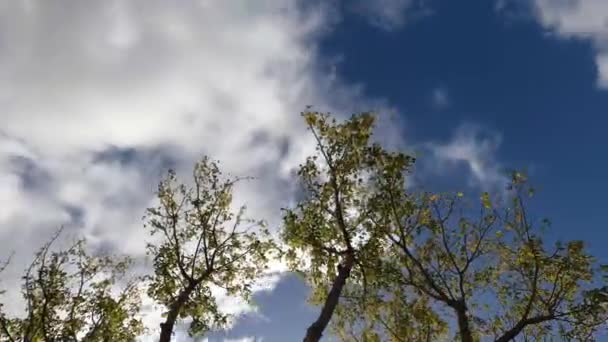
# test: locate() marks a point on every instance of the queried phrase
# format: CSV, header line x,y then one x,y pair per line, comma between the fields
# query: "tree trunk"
x,y
463,322
166,328
315,330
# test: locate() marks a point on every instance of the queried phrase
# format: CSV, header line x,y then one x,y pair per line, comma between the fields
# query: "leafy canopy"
x,y
332,226
202,242
71,295
487,270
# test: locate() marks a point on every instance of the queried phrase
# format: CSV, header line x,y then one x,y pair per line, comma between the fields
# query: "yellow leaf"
x,y
485,200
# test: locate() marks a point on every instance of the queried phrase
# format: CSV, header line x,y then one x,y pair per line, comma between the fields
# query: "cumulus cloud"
x,y
100,98
391,15
580,19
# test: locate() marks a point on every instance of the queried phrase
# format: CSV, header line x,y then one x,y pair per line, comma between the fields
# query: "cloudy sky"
x,y
99,98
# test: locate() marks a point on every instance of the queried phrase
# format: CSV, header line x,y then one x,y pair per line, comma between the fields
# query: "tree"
x,y
70,295
376,308
492,270
389,314
330,236
202,243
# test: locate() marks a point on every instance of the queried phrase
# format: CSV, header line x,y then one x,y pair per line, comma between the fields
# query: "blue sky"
x,y
512,76
99,98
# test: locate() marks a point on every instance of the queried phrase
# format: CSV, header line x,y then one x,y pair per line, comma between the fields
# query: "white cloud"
x,y
474,148
98,98
581,19
391,14
244,339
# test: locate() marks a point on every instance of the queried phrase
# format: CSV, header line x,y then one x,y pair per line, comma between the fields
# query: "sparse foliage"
x,y
202,243
491,270
70,295
330,233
